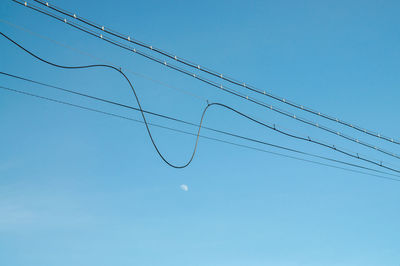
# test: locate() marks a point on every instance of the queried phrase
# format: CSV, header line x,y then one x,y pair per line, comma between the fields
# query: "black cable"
x,y
96,58
210,82
212,72
134,92
185,122
103,60
210,138
202,116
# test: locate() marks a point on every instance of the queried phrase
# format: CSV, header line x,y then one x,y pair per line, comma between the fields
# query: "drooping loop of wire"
x,y
134,92
213,72
380,164
107,61
210,82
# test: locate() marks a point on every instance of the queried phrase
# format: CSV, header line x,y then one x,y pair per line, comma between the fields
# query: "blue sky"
x,y
80,188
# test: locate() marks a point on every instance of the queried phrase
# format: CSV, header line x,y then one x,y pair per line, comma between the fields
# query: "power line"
x,y
212,138
272,127
212,83
134,92
177,119
212,72
79,51
86,53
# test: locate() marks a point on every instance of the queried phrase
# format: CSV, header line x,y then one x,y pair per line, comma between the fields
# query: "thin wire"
x,y
186,122
214,73
79,51
212,83
206,137
134,92
202,116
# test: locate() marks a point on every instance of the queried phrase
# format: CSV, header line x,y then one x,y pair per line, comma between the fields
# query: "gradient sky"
x,y
80,188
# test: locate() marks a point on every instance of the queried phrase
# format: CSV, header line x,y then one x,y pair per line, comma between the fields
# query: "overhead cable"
x,y
90,55
212,138
212,83
207,70
272,127
166,117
